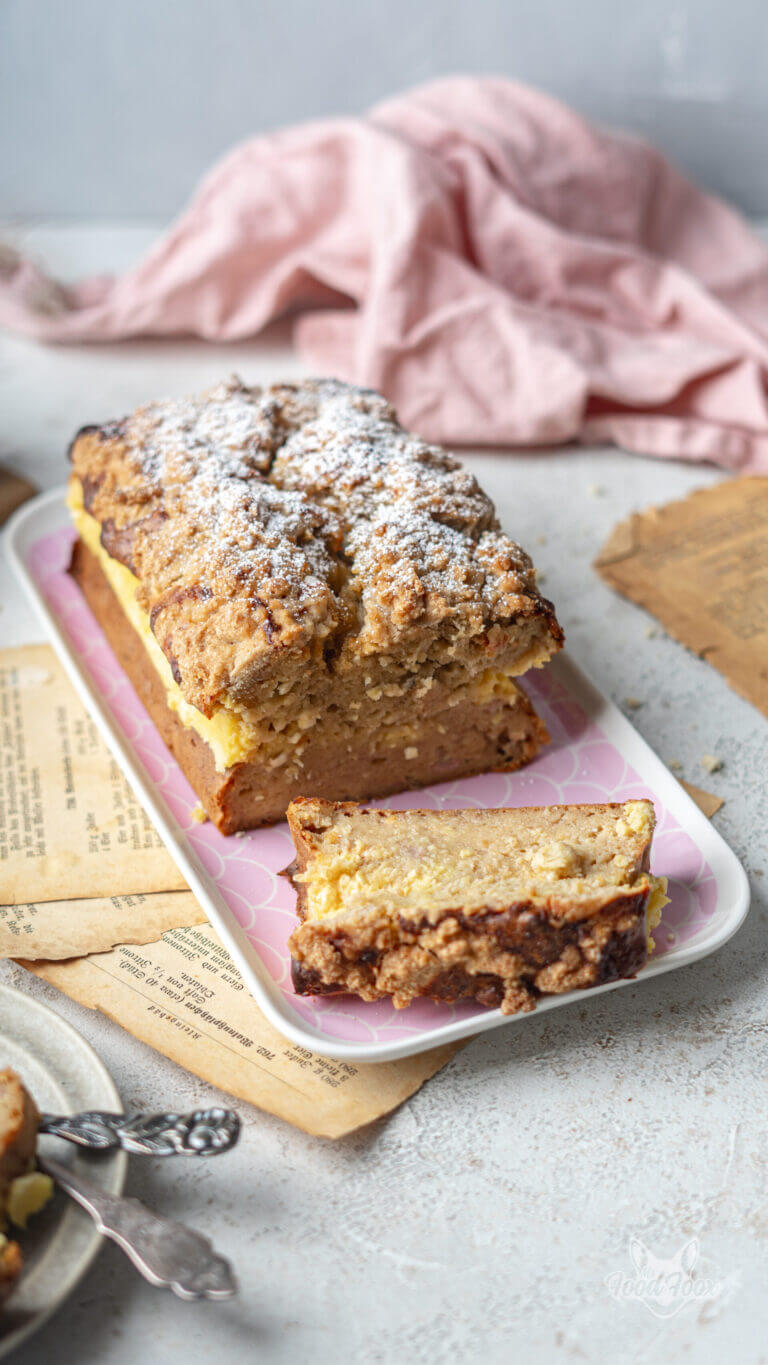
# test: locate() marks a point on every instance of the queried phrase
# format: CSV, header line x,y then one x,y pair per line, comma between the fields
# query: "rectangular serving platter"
x,y
595,755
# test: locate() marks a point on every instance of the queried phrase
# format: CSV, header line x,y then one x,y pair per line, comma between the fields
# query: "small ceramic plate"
x,y
595,755
64,1075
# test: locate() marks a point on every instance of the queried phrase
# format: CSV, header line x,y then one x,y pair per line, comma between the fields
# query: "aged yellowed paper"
x,y
70,826
185,997
701,567
74,928
707,802
14,490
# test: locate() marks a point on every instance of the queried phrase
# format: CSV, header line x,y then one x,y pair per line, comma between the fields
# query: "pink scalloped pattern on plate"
x,y
581,764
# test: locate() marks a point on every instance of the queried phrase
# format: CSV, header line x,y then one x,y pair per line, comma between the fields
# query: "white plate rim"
x,y
47,512
112,1175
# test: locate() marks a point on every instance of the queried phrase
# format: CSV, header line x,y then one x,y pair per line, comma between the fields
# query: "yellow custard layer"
x,y
656,902
380,863
230,737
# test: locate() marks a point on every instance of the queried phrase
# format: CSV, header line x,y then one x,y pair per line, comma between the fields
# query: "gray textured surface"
x,y
117,109
482,1220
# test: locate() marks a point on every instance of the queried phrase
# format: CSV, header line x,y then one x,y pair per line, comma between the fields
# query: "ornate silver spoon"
x,y
204,1132
167,1254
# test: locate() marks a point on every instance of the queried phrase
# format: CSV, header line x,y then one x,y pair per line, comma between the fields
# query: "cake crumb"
x,y
711,763
651,632
634,703
541,540
596,490
674,766
198,814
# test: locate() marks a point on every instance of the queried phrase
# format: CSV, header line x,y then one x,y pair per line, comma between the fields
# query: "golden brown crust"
x,y
11,1265
18,1140
18,1130
294,533
505,957
492,736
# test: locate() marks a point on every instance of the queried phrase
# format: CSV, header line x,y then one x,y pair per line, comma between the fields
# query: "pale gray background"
x,y
114,109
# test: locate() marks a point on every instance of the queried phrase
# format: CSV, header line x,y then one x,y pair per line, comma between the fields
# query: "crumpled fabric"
x,y
504,272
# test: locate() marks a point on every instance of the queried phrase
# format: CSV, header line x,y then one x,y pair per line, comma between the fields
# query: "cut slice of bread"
x,y
499,906
18,1140
18,1131
11,1264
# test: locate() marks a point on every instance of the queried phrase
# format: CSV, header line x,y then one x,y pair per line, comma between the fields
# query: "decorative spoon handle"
x,y
165,1253
204,1132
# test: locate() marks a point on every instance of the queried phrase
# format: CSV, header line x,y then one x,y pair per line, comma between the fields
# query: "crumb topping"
x,y
298,522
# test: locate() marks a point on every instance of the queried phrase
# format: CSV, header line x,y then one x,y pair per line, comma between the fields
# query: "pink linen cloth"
x,y
504,272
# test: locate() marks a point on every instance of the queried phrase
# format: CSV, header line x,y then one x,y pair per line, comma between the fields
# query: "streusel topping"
x,y
277,528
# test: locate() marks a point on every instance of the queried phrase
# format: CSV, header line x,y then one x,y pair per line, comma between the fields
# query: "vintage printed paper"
x,y
700,566
70,826
185,997
74,928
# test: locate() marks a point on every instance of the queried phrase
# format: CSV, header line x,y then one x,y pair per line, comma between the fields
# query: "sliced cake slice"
x,y
11,1265
495,906
18,1138
23,1190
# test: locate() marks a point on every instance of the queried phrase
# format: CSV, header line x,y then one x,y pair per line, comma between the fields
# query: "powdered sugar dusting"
x,y
353,455
269,512
222,427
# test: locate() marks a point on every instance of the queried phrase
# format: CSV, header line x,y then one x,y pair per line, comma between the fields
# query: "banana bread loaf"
x,y
309,599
